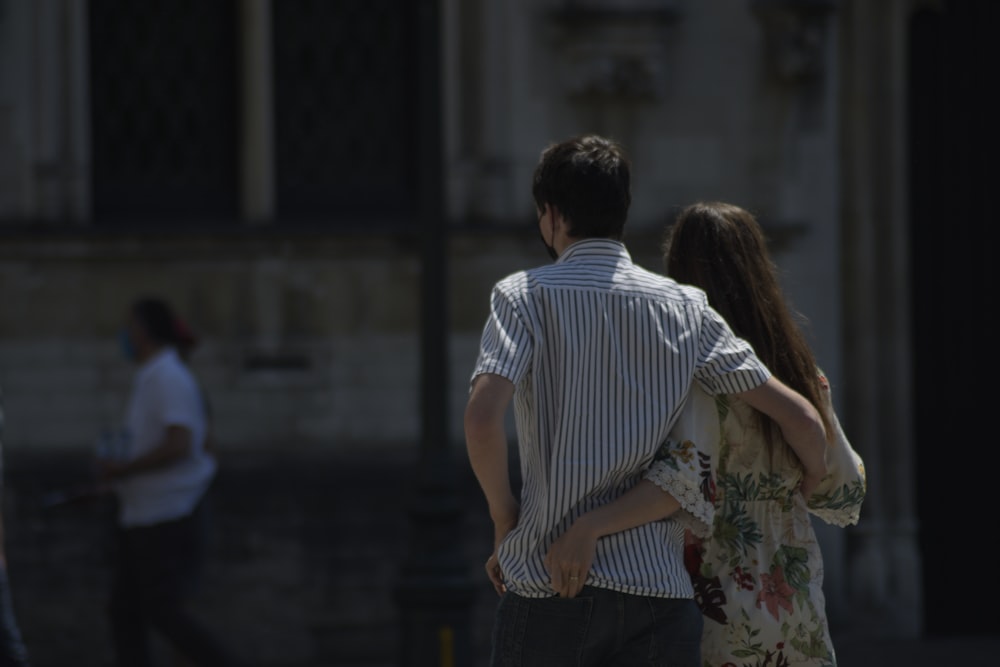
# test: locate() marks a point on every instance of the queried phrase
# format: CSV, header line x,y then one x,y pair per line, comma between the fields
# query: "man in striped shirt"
x,y
598,356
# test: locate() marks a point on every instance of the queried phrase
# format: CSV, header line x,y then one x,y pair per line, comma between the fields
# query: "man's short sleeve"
x,y
727,363
506,345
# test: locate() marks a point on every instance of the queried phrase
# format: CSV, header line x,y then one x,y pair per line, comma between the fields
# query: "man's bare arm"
x,y
800,425
486,443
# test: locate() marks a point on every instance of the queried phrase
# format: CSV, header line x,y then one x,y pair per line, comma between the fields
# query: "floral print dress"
x,y
759,577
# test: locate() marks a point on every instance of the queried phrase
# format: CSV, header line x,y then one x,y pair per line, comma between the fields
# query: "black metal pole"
x,y
434,594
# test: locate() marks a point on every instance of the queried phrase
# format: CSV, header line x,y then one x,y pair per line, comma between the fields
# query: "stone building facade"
x,y
260,164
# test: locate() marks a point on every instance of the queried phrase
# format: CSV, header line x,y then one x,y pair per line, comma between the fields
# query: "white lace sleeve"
x,y
685,464
696,513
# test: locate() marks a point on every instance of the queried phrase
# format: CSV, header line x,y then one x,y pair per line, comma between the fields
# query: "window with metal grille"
x,y
345,111
164,120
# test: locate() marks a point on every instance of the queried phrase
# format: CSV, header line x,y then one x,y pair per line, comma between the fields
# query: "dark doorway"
x,y
953,118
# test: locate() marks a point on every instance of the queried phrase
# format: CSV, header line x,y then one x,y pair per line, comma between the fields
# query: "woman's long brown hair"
x,y
721,248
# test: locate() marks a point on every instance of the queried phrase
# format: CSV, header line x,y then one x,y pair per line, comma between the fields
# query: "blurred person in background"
x,y
160,481
13,652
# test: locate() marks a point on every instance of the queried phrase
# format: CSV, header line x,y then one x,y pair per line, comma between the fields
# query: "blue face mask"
x,y
128,348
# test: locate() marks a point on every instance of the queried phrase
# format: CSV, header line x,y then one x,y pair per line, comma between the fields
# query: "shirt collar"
x,y
589,248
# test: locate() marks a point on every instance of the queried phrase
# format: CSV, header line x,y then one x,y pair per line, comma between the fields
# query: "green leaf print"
x,y
810,643
737,532
739,487
749,648
848,495
794,561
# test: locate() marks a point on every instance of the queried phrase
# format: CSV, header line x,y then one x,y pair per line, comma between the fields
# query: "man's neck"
x,y
564,242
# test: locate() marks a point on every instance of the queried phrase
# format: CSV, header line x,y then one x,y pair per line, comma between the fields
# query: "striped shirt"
x,y
602,354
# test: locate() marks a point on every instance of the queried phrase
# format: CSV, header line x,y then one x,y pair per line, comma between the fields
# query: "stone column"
x,y
797,51
14,116
494,190
885,565
257,195
47,116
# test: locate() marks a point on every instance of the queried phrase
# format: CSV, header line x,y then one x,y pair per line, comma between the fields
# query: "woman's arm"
x,y
571,555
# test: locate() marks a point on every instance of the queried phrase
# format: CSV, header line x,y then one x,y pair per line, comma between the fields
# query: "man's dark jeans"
x,y
598,628
157,568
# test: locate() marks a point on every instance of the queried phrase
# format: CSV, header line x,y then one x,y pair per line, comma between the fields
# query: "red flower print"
x,y
775,592
743,579
693,553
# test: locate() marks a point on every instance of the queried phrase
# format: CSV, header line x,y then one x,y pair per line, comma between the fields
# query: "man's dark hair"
x,y
587,179
157,318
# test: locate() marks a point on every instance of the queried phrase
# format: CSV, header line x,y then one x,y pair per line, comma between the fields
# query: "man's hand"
x,y
570,557
495,574
504,521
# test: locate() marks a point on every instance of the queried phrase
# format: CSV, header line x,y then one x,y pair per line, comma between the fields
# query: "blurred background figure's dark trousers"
x,y
157,569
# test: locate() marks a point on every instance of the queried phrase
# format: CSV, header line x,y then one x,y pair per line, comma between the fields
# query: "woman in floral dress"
x,y
758,578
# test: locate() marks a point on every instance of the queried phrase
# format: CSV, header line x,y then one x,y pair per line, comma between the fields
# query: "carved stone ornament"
x,y
614,49
794,36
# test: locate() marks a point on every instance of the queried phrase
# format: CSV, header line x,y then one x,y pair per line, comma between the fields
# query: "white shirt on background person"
x,y
164,393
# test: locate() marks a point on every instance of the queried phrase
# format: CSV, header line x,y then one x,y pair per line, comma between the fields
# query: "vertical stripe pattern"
x,y
602,354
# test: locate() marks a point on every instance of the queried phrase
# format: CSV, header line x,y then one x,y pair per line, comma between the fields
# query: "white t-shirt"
x,y
164,393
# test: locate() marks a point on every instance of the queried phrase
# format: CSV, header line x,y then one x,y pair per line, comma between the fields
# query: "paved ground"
x,y
930,652
305,559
